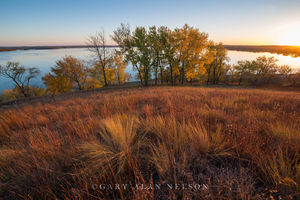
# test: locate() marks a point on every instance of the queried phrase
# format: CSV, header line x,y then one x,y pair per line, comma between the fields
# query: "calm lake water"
x,y
45,59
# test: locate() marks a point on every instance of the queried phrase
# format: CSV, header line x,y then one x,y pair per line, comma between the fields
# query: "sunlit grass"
x,y
116,144
239,144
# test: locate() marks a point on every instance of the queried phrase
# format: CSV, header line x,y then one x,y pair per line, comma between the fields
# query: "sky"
x,y
70,22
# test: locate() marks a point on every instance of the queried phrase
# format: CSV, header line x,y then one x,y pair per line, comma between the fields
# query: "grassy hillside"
x,y
183,142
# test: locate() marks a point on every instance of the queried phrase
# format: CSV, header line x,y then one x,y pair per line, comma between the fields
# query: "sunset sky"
x,y
70,22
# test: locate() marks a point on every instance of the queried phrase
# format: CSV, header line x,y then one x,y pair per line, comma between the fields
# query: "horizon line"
x,y
114,45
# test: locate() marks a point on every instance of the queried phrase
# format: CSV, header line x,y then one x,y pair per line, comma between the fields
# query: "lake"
x,y
45,59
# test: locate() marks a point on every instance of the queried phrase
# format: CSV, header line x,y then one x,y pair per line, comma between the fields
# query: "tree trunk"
x,y
21,88
104,75
171,74
79,86
208,74
156,75
214,74
146,76
102,62
240,80
182,73
161,75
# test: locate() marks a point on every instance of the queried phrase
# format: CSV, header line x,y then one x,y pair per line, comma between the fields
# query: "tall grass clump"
x,y
115,145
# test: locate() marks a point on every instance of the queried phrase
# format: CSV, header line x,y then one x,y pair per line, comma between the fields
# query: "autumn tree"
x,y
190,46
244,70
136,48
220,61
209,64
124,38
294,79
20,75
180,45
182,54
120,65
182,42
164,51
261,70
142,54
68,73
285,71
265,69
196,55
98,45
158,40
217,67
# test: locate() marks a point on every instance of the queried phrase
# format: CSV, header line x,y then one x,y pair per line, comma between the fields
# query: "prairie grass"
x,y
230,143
117,142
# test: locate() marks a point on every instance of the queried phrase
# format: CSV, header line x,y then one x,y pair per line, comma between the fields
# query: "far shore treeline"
x,y
285,50
158,55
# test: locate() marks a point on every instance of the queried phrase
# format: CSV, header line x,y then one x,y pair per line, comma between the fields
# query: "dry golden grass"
x,y
234,143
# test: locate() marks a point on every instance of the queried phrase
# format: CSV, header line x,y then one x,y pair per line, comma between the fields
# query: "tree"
x,y
265,69
68,73
190,46
294,79
14,93
196,54
284,72
219,62
178,54
154,51
244,70
142,54
136,49
210,56
99,47
122,36
216,56
163,34
168,48
20,75
180,40
158,39
75,70
228,72
120,65
259,71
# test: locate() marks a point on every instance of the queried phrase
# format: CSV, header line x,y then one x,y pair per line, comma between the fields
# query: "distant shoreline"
x,y
14,48
293,51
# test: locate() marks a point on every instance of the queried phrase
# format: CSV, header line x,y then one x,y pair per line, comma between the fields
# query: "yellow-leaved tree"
x,y
120,65
191,46
68,73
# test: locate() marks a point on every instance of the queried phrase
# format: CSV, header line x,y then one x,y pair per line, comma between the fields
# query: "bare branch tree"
x,y
20,76
98,46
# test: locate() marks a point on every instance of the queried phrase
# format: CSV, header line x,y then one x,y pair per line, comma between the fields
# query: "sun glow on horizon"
x,y
290,35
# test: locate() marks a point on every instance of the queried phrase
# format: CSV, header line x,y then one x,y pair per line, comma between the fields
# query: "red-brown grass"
x,y
232,143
